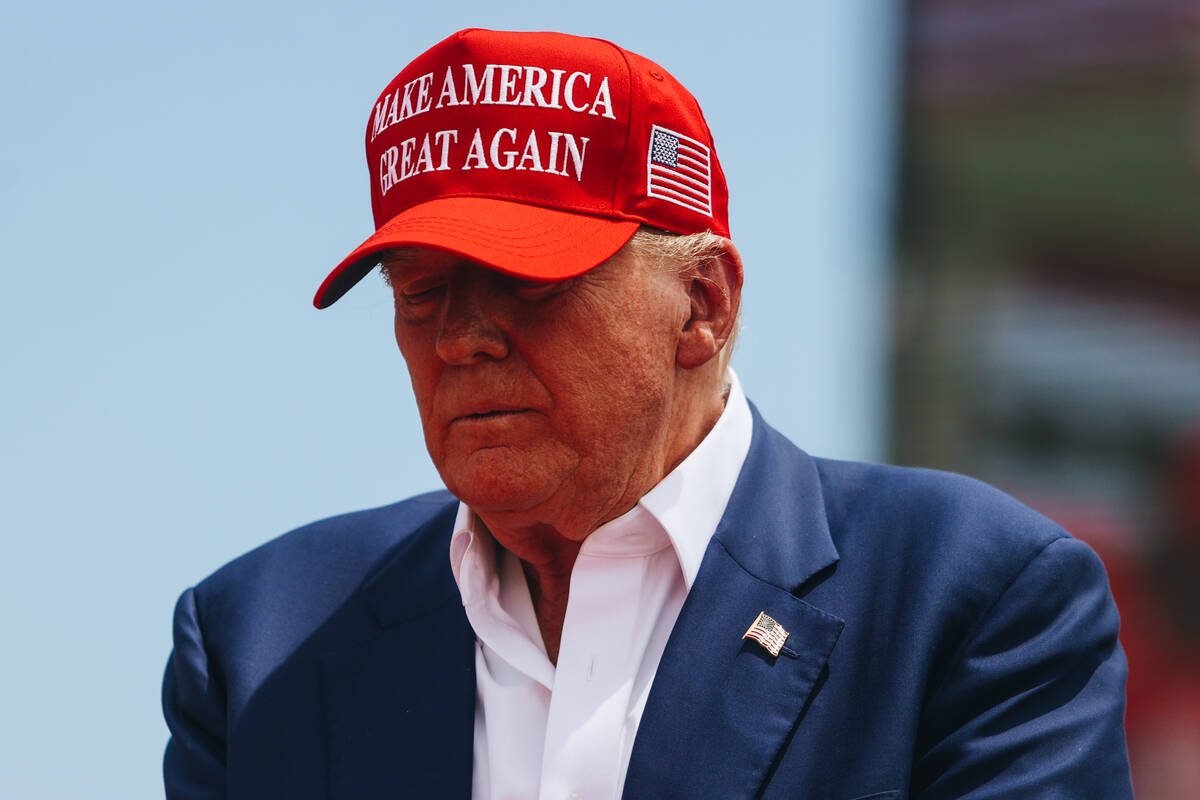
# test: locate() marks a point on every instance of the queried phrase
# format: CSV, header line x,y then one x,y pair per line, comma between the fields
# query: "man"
x,y
641,590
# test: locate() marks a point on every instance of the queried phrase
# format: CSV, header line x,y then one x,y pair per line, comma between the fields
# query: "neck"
x,y
548,590
548,549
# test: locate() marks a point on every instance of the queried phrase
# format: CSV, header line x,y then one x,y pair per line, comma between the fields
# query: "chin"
x,y
496,480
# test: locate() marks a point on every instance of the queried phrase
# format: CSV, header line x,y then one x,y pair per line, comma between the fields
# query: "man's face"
x,y
551,400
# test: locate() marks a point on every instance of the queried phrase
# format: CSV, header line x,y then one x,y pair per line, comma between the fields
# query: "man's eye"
x,y
420,294
536,290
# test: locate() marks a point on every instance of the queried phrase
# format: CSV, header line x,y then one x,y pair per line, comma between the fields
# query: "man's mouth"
x,y
496,414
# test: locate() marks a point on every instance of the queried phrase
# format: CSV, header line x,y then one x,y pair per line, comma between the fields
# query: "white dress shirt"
x,y
564,732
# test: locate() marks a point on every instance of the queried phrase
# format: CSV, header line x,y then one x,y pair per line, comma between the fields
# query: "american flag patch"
x,y
679,170
767,632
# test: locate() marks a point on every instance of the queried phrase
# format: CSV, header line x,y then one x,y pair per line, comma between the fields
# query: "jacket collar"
x,y
399,706
721,707
775,525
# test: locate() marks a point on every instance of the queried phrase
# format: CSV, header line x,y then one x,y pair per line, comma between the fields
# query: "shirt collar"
x,y
691,500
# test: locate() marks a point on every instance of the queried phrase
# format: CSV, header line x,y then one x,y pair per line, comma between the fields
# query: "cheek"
x,y
424,390
639,347
616,388
423,371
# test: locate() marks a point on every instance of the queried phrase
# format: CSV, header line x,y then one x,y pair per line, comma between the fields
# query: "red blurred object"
x,y
1158,595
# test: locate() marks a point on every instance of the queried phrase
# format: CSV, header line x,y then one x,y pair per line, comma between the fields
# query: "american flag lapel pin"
x,y
767,632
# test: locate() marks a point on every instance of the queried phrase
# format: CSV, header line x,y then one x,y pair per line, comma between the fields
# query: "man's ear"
x,y
715,291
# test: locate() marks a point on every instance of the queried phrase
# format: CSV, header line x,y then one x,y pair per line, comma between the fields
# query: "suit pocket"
x,y
892,795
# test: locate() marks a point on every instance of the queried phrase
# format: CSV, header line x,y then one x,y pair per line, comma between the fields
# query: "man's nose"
x,y
469,329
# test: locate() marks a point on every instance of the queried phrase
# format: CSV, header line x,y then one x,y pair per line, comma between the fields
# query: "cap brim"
x,y
515,238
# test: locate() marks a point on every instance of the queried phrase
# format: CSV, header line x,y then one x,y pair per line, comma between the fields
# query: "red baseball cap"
x,y
535,154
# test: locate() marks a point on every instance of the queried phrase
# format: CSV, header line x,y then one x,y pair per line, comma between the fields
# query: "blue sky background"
x,y
174,184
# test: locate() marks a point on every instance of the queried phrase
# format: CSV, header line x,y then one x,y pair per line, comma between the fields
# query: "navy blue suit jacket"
x,y
945,642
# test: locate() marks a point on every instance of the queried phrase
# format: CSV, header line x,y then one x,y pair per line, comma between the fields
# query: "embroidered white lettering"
x,y
575,153
530,154
475,152
494,84
477,90
555,88
379,120
406,153
444,138
424,84
448,90
387,170
508,94
394,111
406,106
509,155
553,158
603,97
569,90
535,79
424,157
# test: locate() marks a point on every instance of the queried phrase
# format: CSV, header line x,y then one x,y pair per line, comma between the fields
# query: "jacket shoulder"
x,y
341,546
930,513
983,624
942,547
250,614
299,577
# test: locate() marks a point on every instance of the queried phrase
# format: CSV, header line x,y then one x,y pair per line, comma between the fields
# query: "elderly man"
x,y
634,587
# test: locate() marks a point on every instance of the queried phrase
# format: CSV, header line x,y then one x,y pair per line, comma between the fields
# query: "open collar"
x,y
721,706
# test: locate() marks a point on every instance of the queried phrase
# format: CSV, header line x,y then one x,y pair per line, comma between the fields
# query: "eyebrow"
x,y
395,256
394,259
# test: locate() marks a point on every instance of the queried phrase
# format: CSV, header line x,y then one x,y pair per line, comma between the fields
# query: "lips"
x,y
480,401
498,414
488,412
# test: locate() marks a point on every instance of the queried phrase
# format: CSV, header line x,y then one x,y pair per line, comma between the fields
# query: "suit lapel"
x,y
721,707
399,705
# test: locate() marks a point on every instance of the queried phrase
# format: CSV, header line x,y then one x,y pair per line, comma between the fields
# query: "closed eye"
x,y
535,290
420,292
421,296
418,300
